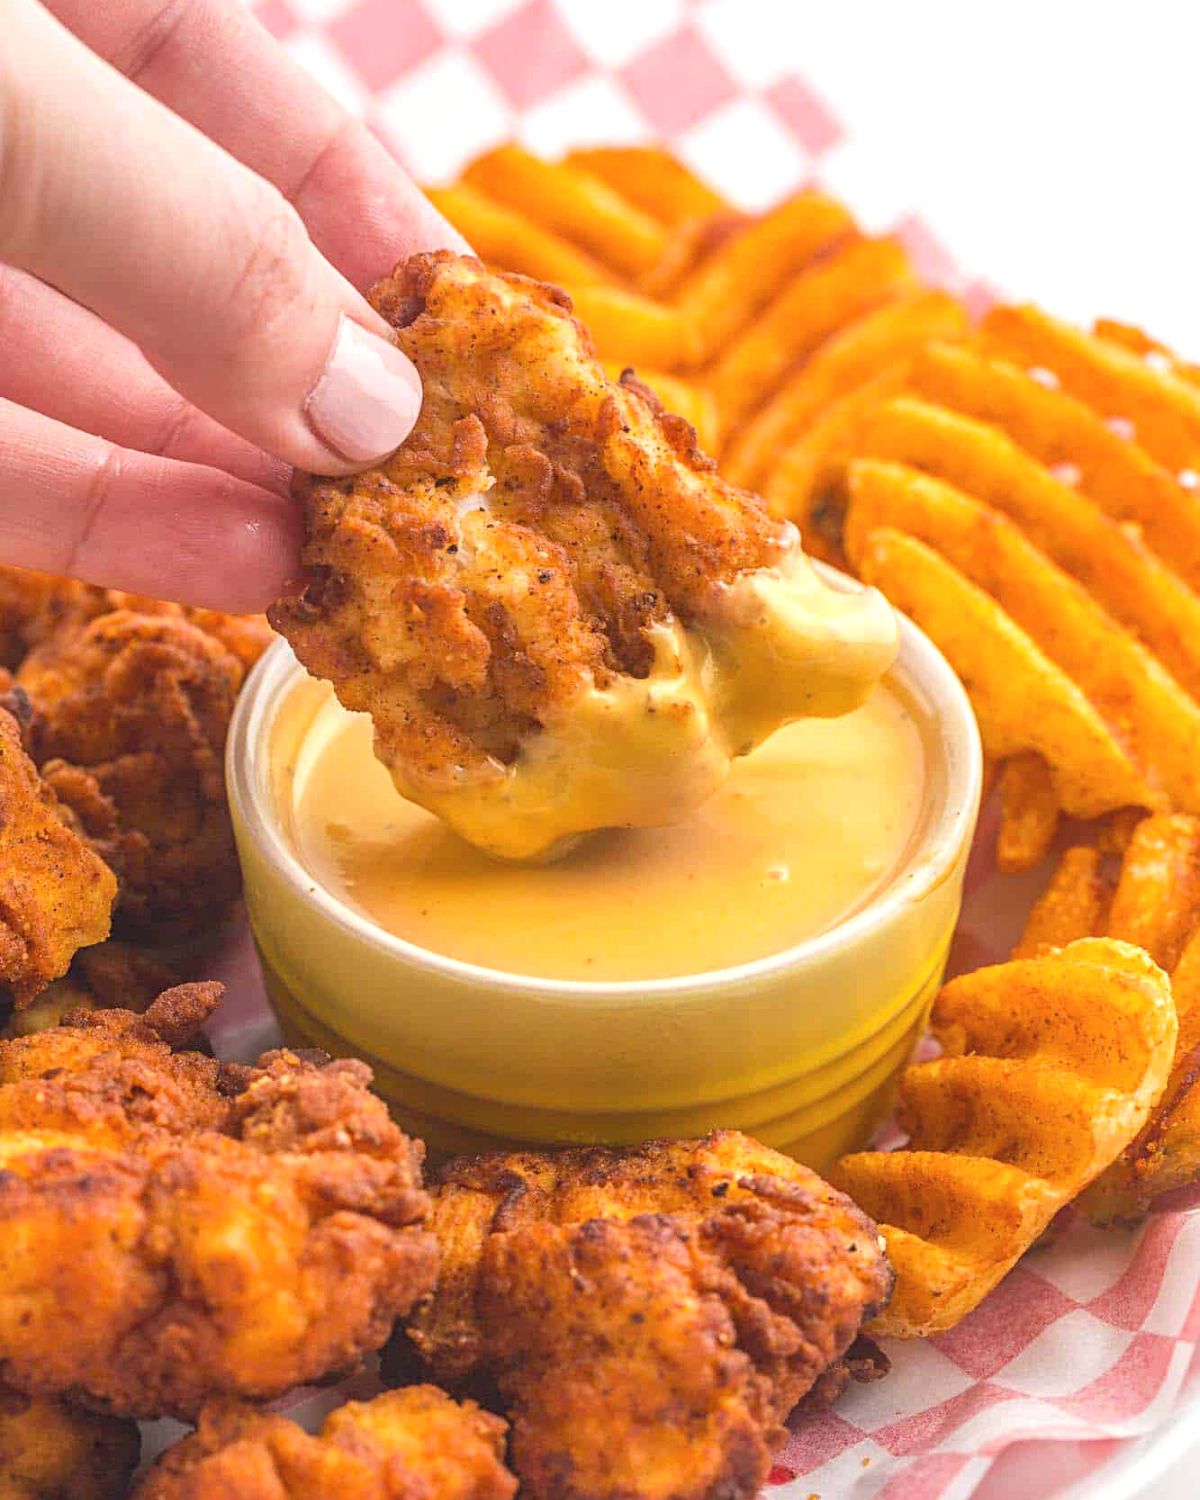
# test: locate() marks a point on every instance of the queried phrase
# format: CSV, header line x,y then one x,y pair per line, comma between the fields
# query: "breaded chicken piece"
x,y
130,718
557,613
35,606
649,1317
104,977
171,1229
415,1444
56,894
49,1451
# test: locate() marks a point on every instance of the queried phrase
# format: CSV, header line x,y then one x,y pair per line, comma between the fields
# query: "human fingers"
x,y
76,505
62,361
362,210
127,208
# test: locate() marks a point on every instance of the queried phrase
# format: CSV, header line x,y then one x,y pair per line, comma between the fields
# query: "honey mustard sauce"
x,y
802,832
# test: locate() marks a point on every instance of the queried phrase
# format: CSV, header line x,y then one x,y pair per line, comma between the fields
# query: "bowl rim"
x,y
927,682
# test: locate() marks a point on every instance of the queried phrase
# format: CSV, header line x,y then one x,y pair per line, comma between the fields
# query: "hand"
x,y
179,313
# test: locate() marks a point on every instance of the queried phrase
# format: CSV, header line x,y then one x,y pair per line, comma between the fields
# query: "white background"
x,y
1053,146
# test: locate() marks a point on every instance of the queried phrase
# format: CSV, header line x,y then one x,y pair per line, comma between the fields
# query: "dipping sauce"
x,y
805,831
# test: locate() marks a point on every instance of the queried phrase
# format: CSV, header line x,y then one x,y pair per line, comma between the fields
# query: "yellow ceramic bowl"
x,y
799,1049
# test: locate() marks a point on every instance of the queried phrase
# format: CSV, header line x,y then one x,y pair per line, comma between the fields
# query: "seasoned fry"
x,y
574,203
816,303
1074,904
1164,410
1028,814
807,485
1145,709
1141,343
1157,900
635,330
847,360
1068,437
743,275
1050,1067
1022,700
508,240
1114,565
650,177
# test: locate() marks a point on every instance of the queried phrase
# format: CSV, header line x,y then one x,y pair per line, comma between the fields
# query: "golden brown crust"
x,y
415,1444
34,607
56,894
130,717
461,634
49,1451
649,1316
172,1229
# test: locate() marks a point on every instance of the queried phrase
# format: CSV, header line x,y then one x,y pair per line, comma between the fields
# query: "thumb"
x,y
125,207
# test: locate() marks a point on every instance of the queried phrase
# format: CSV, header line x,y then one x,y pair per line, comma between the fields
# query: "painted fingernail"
x,y
368,396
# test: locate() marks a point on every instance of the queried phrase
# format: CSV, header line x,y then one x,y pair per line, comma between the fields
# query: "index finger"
x,y
213,63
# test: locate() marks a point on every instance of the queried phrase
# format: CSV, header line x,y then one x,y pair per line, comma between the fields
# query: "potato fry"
x,y
807,485
691,246
650,177
1028,814
687,400
1022,700
848,358
1050,1068
1164,410
1059,430
1112,563
815,304
1145,710
1074,905
1138,342
631,328
1157,900
575,204
511,242
745,273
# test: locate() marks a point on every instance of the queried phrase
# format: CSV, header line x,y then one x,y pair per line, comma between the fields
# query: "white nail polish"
x,y
368,396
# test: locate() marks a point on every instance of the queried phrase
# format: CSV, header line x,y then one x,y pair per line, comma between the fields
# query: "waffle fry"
x,y
815,305
571,201
1144,708
1154,901
654,180
1074,904
846,361
1024,703
504,237
1029,818
1050,1067
1072,440
1138,342
1161,410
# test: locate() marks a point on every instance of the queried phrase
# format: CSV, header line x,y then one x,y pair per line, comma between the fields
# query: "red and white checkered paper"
x,y
1093,1339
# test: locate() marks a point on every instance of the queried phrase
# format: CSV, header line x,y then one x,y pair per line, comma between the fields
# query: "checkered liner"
x,y
1093,1338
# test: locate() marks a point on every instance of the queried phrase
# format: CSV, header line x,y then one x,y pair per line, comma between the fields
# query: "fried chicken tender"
x,y
415,1444
56,894
36,606
131,713
49,1451
557,613
107,976
173,1229
649,1317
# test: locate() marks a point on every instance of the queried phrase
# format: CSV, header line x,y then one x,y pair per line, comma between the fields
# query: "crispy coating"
x,y
56,894
130,717
541,535
37,606
49,1451
171,1229
649,1317
106,976
415,1444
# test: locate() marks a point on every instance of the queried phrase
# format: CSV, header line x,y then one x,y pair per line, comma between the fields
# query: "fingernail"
x,y
368,396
